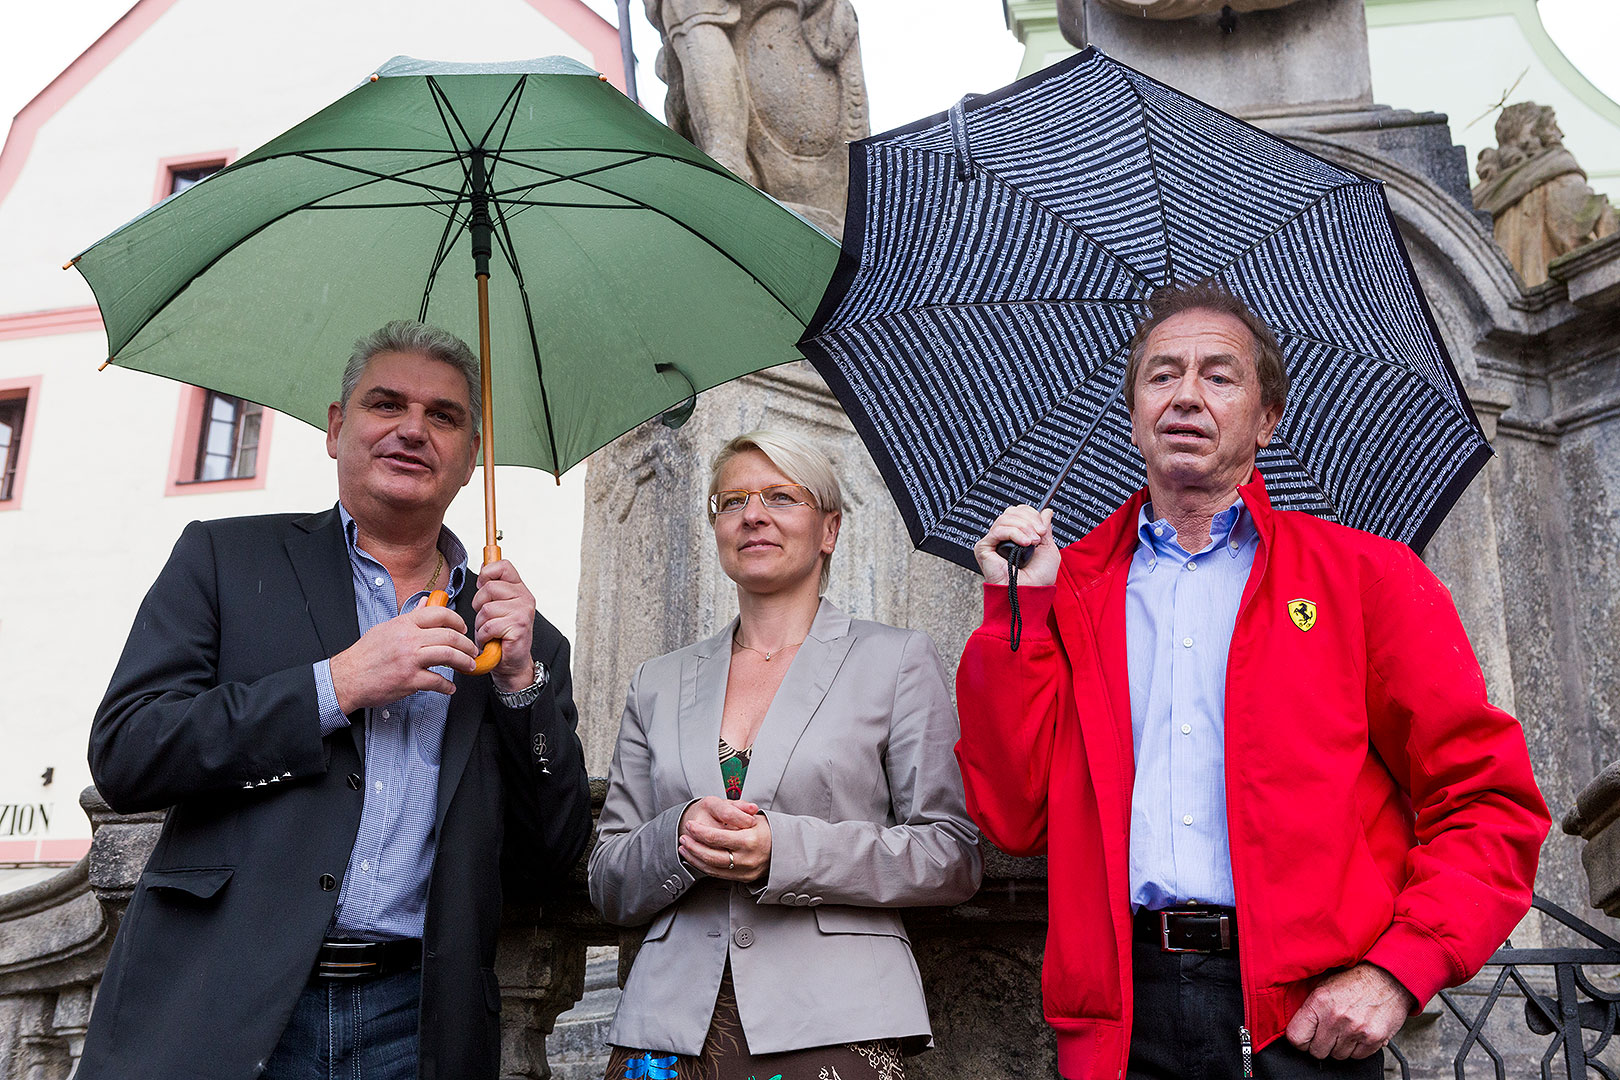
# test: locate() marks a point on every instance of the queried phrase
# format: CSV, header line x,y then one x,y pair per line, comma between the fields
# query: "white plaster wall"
x,y
1462,67
95,525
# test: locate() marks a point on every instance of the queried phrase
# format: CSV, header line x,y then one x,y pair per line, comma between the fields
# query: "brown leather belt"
x,y
366,959
1187,929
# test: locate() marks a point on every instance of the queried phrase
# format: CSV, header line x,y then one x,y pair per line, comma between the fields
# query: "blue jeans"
x,y
351,1029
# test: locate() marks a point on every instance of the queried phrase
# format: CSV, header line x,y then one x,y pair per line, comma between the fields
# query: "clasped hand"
x,y
726,839
395,658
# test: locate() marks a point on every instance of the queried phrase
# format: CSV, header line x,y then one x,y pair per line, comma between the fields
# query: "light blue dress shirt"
x,y
384,893
1180,609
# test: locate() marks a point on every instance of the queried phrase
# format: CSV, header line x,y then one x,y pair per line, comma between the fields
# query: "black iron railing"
x,y
1578,1023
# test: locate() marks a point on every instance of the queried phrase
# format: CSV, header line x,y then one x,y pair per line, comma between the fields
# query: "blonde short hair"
x,y
799,459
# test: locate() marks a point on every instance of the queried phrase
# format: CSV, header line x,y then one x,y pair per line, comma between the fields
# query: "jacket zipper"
x,y
1245,1039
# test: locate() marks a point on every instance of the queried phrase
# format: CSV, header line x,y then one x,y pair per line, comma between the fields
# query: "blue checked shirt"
x,y
384,892
1180,609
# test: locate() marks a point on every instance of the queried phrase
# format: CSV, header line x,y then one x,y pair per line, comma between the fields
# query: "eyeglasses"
x,y
775,497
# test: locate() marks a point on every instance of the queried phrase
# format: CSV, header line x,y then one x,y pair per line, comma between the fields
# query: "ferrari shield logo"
x,y
1303,612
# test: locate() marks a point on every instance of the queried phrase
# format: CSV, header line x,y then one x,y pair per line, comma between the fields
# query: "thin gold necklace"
x,y
762,652
434,580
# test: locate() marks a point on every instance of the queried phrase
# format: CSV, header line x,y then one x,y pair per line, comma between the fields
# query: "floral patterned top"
x,y
733,767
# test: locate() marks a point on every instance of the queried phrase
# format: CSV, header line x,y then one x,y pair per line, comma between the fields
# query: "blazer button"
x,y
354,781
789,898
744,937
328,882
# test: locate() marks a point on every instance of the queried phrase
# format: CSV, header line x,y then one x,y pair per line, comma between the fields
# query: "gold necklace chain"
x,y
434,580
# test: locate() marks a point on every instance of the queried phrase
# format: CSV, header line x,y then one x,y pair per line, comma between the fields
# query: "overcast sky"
x,y
920,55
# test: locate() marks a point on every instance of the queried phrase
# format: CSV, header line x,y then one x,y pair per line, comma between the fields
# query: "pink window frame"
x,y
183,455
26,387
188,422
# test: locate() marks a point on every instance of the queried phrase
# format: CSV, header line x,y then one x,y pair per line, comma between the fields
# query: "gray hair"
x,y
410,336
800,460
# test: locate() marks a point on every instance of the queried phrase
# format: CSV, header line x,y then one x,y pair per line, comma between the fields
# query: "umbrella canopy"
x,y
996,263
629,270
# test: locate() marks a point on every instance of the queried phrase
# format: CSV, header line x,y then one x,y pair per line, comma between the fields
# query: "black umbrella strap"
x,y
1012,602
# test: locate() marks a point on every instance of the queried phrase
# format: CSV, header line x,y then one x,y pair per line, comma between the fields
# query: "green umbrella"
x,y
630,270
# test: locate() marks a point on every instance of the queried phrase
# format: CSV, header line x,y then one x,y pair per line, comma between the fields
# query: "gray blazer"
x,y
854,770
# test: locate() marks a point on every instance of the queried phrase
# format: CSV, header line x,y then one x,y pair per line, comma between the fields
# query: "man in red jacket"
x,y
1278,810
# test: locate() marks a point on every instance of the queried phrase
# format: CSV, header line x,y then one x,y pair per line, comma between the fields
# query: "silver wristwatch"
x,y
518,699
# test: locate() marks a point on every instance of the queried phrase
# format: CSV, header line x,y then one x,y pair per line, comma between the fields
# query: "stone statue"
x,y
1186,9
771,89
1536,193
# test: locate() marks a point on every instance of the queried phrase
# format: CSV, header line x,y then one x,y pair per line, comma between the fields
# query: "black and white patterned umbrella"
x,y
996,262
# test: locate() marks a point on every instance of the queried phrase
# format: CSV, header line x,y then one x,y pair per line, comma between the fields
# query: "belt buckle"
x,y
1224,926
347,969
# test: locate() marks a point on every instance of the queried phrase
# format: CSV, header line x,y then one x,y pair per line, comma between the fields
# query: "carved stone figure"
x,y
1536,192
771,89
1186,9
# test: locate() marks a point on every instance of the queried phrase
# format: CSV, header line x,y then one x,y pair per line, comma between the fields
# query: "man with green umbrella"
x,y
345,800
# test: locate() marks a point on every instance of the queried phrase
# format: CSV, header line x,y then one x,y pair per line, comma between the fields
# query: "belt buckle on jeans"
x,y
355,968
1224,926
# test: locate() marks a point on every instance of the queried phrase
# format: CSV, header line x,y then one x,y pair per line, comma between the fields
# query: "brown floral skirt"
x,y
725,1056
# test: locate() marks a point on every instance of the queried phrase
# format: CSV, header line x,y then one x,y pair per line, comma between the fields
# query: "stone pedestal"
x,y
1310,56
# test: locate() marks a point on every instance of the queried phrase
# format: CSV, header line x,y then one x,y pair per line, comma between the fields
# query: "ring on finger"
x,y
731,861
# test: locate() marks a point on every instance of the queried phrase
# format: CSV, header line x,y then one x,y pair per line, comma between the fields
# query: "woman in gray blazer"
x,y
779,791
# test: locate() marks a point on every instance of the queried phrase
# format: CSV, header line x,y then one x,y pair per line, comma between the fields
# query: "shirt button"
x,y
1158,530
1186,729
1192,566
1186,642
379,583
1186,819
379,785
386,714
365,864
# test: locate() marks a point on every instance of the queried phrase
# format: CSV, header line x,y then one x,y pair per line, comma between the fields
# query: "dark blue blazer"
x,y
212,714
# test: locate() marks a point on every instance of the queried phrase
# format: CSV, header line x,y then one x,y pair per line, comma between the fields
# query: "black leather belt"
x,y
367,959
1188,929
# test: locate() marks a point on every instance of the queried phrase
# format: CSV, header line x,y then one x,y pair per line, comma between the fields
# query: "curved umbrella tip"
x,y
69,264
374,77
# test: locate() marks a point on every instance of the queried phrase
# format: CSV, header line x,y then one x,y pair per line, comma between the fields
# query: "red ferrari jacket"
x,y
1379,808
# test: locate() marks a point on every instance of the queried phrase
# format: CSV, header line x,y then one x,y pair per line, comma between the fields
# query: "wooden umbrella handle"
x,y
492,650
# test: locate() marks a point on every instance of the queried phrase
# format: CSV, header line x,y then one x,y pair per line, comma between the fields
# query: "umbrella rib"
x,y
442,102
447,240
511,117
503,239
1070,395
378,177
1158,190
637,203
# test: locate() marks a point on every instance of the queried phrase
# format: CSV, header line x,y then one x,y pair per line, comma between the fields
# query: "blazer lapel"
x,y
703,699
467,707
796,701
320,559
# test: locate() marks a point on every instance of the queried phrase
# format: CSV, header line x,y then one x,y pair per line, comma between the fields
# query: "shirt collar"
x,y
455,555
1232,528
